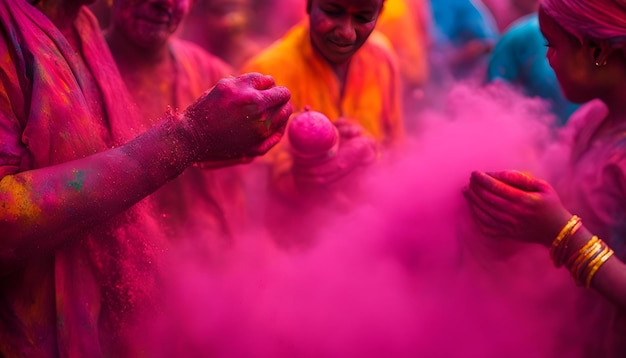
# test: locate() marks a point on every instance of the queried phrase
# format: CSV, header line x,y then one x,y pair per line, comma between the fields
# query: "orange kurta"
x,y
371,94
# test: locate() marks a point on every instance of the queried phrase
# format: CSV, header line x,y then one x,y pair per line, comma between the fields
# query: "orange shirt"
x,y
371,94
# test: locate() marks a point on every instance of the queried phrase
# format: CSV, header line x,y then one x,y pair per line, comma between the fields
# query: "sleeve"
x,y
611,200
12,150
396,130
393,121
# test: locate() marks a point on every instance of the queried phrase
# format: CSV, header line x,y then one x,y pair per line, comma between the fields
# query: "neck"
x,y
341,70
127,53
617,111
62,13
615,98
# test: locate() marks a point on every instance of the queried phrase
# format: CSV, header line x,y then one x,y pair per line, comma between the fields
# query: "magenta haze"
x,y
405,275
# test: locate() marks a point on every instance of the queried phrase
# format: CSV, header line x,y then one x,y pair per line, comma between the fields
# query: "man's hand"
x,y
238,119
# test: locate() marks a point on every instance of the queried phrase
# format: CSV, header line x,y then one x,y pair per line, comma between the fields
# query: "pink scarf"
x,y
596,19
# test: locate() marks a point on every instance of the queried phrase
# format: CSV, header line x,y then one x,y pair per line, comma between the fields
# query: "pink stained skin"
x,y
142,51
148,23
312,134
340,27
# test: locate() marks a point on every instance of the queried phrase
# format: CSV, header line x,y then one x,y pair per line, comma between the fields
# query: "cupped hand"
x,y
353,153
516,205
349,128
240,118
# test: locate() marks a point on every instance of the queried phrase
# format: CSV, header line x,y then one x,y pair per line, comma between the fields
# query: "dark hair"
x,y
595,19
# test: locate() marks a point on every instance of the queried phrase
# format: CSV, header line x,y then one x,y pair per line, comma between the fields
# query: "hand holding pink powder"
x,y
312,134
322,153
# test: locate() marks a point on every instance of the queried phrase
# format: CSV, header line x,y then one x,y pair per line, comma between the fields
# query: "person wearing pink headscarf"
x,y
586,42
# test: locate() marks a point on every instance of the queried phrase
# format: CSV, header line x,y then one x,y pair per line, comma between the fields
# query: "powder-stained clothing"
x,y
400,24
202,205
371,90
594,188
76,301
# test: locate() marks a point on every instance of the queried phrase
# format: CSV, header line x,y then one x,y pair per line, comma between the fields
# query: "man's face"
x,y
148,23
340,27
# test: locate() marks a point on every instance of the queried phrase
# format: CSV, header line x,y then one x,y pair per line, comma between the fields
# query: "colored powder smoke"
x,y
403,275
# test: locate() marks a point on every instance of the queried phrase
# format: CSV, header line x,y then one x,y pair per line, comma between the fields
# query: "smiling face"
x,y
340,27
570,60
147,23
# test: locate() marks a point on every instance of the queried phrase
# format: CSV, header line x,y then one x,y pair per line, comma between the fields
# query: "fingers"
x,y
495,208
354,154
357,151
348,129
258,81
268,143
278,117
521,180
486,222
490,187
274,97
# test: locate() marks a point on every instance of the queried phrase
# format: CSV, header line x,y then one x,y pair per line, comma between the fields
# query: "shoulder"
x,y
379,48
285,53
521,37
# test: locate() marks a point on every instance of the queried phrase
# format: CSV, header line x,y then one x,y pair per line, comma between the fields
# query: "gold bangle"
x,y
584,272
575,257
597,266
584,258
558,253
565,230
564,234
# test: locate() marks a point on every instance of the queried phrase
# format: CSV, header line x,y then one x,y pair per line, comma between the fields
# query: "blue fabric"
x,y
459,21
520,58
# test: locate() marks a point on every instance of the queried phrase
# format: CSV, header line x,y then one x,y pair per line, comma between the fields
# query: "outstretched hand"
x,y
515,205
238,119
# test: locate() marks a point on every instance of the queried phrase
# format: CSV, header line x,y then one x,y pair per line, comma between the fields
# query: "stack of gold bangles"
x,y
584,263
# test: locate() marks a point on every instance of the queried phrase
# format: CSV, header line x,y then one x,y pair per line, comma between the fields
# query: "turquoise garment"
x,y
455,24
460,21
520,58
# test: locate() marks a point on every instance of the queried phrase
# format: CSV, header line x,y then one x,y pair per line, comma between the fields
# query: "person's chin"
x,y
339,57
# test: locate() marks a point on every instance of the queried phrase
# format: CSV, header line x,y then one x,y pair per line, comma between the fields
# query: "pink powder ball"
x,y
311,134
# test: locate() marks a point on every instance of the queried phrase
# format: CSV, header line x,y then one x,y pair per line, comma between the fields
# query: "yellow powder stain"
x,y
16,200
